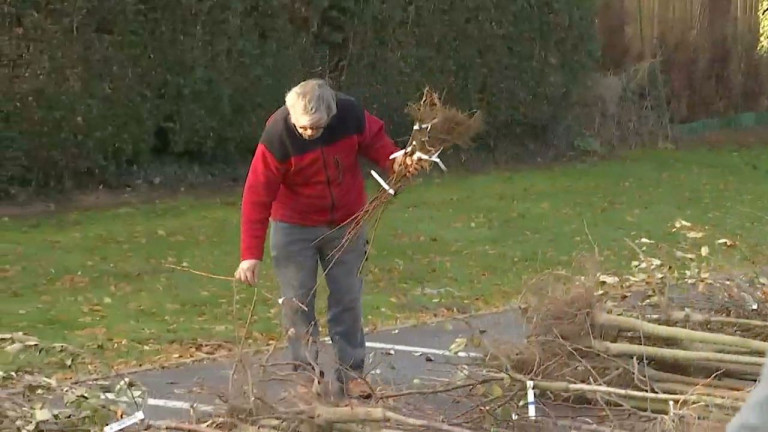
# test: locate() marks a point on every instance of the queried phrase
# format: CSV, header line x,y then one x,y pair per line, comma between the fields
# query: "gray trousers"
x,y
296,260
753,416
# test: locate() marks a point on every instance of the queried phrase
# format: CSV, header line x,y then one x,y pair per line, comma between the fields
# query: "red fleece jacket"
x,y
316,182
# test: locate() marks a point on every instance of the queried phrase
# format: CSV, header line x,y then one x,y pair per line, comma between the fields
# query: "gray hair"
x,y
311,102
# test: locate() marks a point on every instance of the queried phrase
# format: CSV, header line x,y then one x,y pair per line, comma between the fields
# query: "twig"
x,y
726,349
565,387
739,371
184,427
584,363
669,377
699,390
438,390
239,361
370,242
589,236
627,323
694,317
277,426
585,427
213,276
634,246
620,349
352,414
753,212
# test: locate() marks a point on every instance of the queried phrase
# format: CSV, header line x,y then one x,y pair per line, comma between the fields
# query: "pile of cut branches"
x,y
436,127
687,346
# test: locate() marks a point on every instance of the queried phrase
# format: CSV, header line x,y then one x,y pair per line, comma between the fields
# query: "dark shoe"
x,y
307,384
358,388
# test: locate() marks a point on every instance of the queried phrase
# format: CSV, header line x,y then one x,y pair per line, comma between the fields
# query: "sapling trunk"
x,y
623,349
625,323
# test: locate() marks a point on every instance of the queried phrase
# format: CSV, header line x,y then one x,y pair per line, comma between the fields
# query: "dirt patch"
x,y
113,198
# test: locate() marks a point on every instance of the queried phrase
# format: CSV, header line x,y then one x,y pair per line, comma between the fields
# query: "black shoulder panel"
x,y
352,113
283,141
276,135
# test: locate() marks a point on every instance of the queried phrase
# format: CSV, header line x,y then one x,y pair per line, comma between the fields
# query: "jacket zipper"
x,y
338,169
330,189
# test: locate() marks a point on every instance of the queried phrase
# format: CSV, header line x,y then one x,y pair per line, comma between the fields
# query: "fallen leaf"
x,y
73,281
458,345
21,337
42,415
496,391
694,234
704,250
679,254
681,223
14,348
608,279
8,271
726,242
92,331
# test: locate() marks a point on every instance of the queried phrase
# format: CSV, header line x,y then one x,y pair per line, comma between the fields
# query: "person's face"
x,y
310,130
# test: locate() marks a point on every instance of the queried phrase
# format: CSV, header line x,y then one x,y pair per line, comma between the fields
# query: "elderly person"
x,y
306,179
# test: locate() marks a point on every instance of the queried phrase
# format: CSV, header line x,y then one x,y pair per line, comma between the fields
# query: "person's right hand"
x,y
248,271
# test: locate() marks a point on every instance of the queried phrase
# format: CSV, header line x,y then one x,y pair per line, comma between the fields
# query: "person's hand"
x,y
407,165
248,271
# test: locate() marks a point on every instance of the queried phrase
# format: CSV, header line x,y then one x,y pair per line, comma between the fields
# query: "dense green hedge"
x,y
97,92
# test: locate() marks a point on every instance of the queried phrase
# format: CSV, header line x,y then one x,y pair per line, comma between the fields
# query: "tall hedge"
x,y
95,92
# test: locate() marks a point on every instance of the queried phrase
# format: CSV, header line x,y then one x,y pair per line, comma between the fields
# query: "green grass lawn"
x,y
97,280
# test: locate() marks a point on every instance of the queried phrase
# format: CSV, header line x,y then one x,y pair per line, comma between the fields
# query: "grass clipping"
x,y
436,127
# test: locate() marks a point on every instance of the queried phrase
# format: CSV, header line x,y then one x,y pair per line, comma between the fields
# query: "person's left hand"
x,y
407,165
248,271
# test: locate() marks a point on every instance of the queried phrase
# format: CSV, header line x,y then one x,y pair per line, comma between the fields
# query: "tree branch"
x,y
646,328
